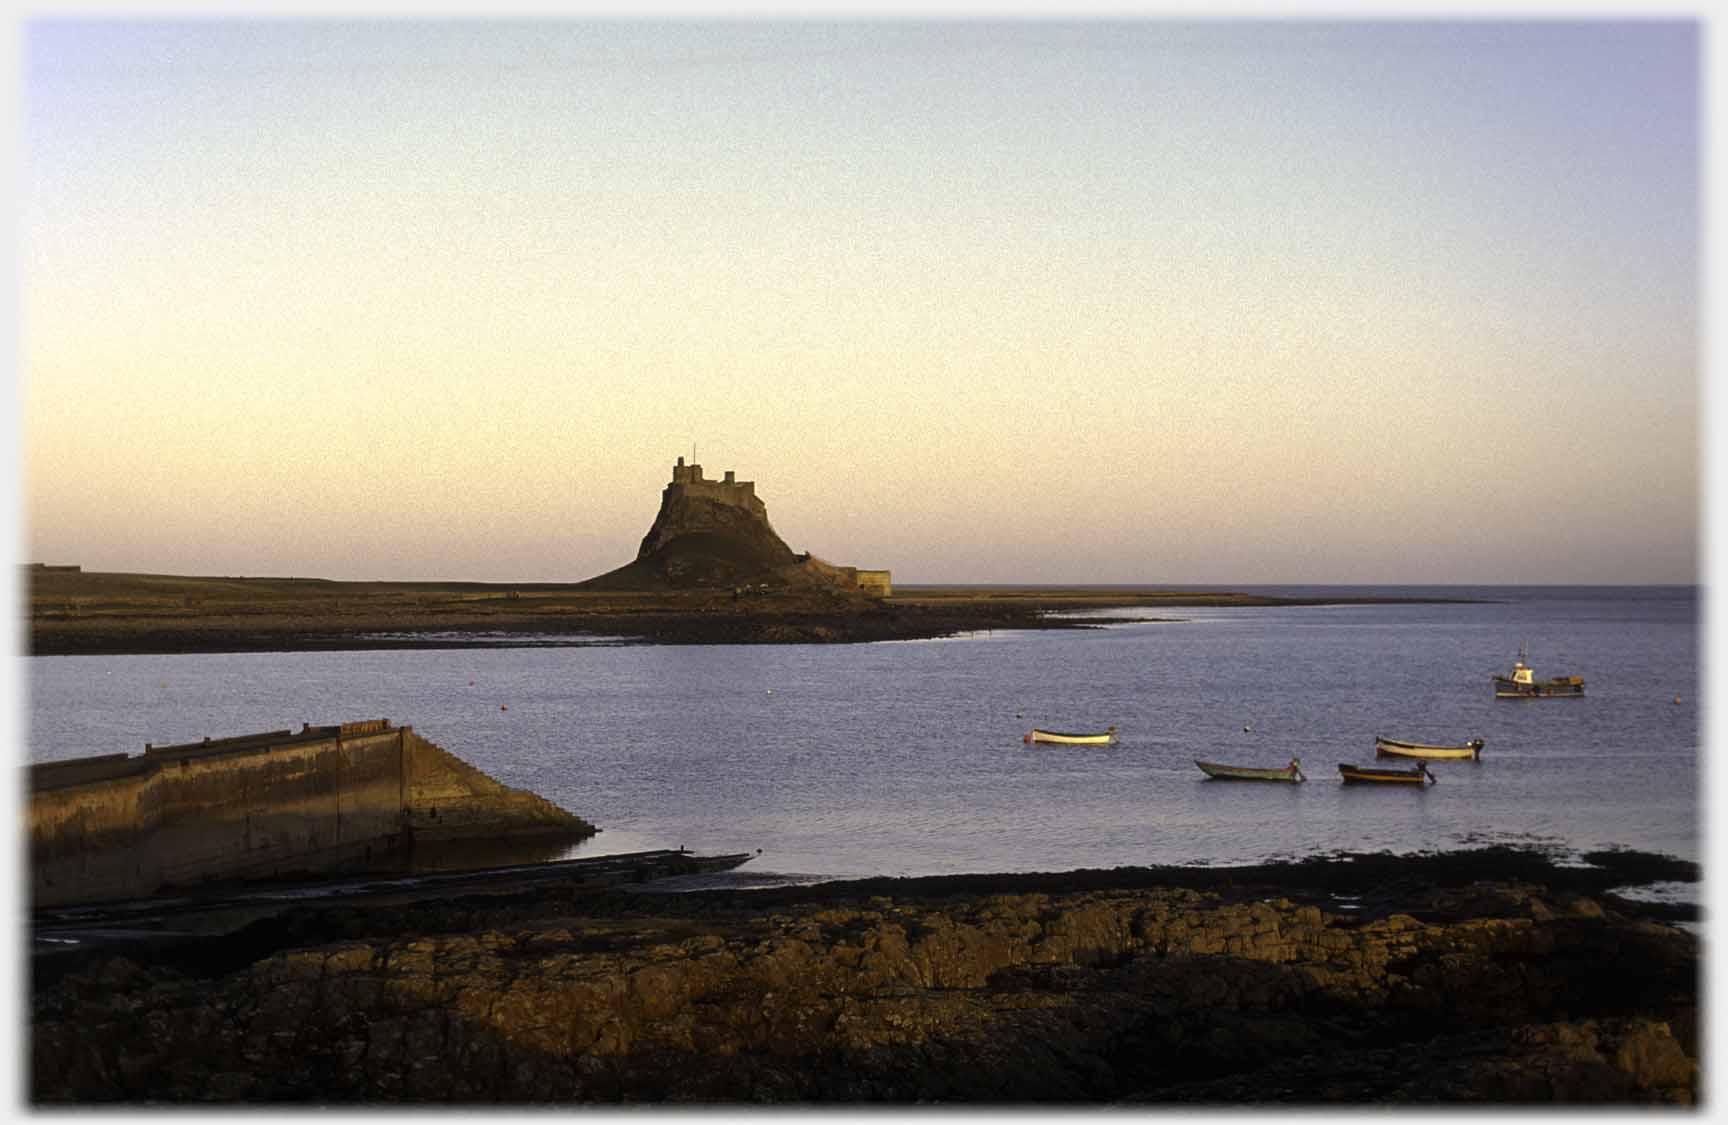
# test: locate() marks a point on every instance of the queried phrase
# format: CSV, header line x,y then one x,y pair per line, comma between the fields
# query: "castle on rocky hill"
x,y
728,523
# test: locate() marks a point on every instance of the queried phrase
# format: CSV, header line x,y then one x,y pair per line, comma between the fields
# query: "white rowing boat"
x,y
1397,748
1058,738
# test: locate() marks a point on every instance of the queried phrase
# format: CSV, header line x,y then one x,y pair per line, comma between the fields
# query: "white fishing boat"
x,y
1523,684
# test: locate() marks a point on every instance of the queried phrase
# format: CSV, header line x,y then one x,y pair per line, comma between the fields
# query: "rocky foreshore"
x,y
1489,976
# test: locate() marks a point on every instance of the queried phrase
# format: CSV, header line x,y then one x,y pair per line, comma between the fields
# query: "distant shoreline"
x,y
95,613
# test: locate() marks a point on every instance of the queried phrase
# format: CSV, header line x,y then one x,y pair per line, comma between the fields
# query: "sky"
x,y
975,300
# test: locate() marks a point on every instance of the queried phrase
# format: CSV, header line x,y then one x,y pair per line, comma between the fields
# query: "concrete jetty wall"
x,y
283,802
93,829
447,799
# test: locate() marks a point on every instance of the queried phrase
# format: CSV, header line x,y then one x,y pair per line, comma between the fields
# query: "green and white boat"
x,y
1220,772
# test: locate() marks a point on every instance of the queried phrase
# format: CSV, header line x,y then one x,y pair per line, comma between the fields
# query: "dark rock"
x,y
1473,992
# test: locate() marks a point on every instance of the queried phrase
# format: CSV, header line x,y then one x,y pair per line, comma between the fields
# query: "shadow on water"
x,y
466,855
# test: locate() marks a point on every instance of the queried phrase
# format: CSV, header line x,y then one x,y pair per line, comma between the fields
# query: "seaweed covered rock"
x,y
1164,994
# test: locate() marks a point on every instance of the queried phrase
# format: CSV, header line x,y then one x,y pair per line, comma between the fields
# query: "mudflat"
x,y
78,612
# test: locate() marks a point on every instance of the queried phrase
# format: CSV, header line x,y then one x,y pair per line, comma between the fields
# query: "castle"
x,y
687,480
676,517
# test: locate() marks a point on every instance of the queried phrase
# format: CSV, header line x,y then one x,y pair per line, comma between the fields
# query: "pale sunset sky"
x,y
977,300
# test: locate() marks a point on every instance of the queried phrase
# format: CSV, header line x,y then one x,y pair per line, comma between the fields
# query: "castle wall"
x,y
738,494
687,480
845,576
879,583
277,803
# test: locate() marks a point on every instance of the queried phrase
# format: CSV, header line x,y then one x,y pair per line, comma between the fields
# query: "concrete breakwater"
x,y
321,799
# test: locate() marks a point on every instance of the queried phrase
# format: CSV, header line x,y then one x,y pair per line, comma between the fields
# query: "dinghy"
x,y
1398,748
1291,772
1058,738
1367,775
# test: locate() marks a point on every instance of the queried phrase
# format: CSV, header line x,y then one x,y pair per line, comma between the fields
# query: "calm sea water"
x,y
905,758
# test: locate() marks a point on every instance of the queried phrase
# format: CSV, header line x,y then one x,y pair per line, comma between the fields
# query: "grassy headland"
x,y
72,612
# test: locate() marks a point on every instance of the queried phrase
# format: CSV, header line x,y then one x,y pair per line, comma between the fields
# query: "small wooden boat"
x,y
1397,748
1291,772
1368,775
1523,684
1108,738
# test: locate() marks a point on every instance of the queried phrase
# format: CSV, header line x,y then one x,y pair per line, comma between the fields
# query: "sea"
x,y
907,758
